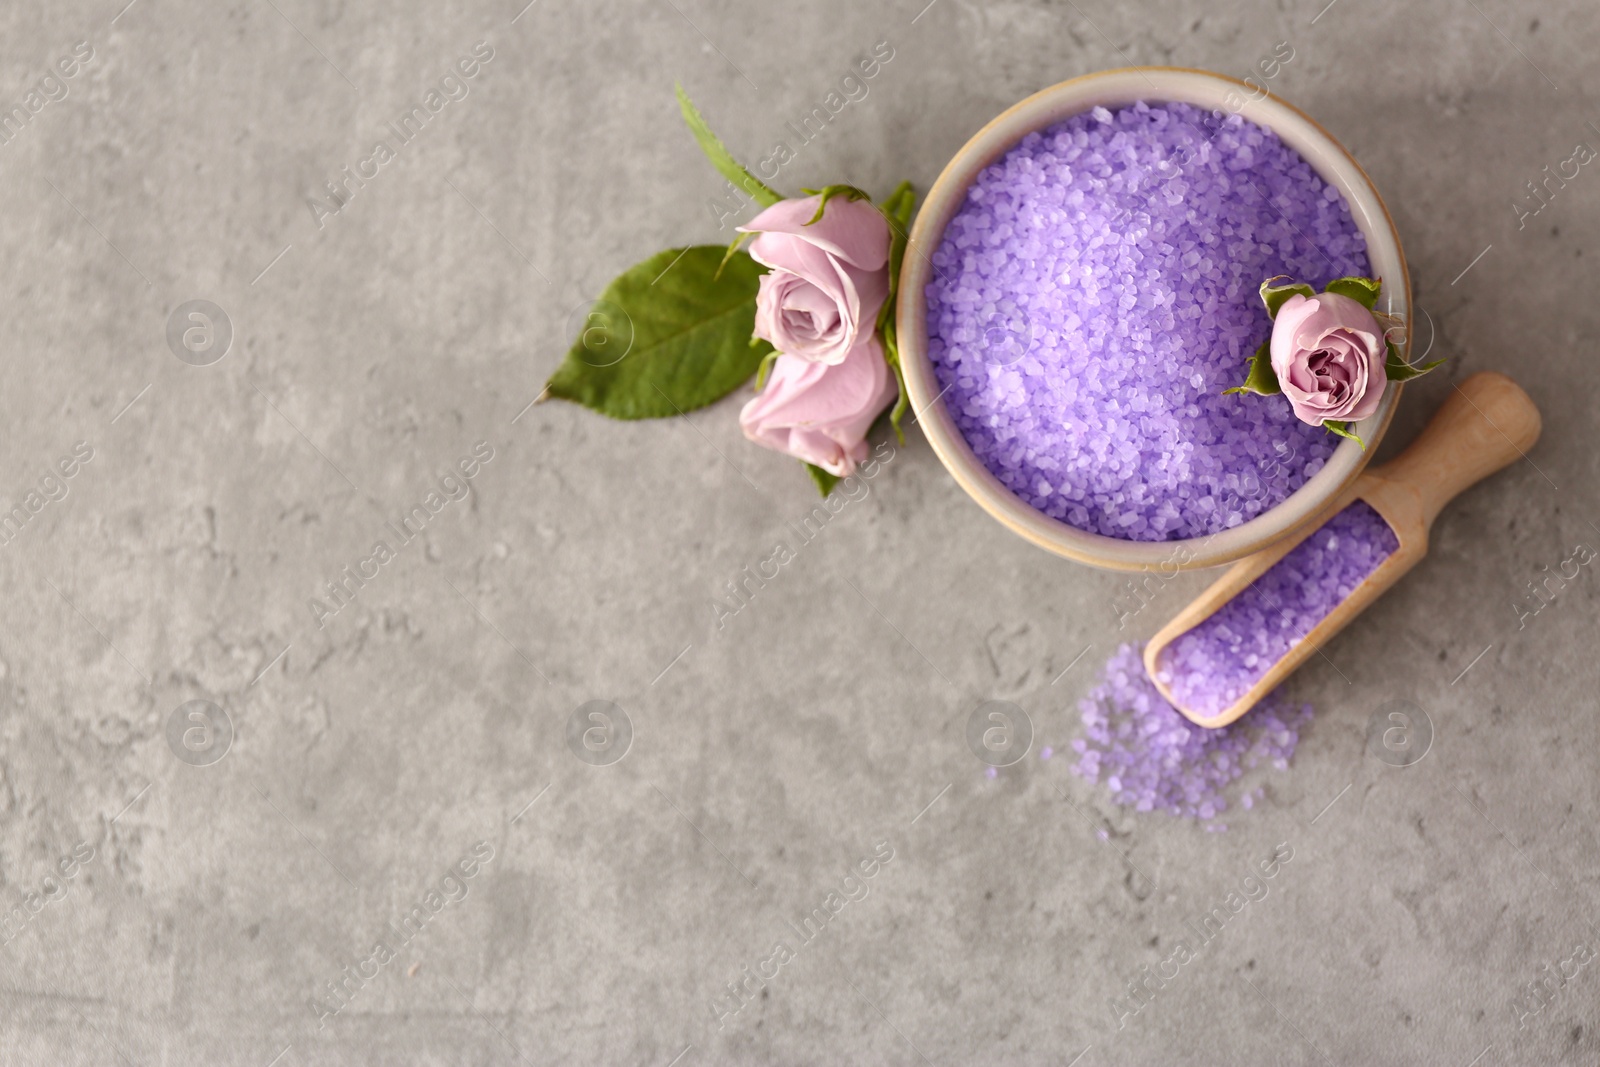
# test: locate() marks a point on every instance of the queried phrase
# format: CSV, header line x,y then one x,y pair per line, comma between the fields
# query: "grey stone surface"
x,y
373,352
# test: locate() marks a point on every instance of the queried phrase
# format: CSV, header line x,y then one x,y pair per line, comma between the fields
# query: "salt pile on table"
x,y
1152,758
1097,292
1216,663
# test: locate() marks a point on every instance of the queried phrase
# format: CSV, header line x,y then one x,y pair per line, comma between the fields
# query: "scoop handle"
x,y
1486,424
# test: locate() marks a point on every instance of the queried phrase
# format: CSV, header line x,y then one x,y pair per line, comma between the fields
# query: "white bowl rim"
x,y
1117,88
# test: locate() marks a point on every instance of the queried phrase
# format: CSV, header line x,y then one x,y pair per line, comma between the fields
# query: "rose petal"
x,y
859,295
1328,353
1291,315
852,230
821,413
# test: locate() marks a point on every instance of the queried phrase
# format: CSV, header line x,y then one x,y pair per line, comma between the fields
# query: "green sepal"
x,y
1397,369
720,157
828,192
902,402
824,481
1342,428
733,246
897,211
681,332
766,368
1261,379
1274,296
1363,291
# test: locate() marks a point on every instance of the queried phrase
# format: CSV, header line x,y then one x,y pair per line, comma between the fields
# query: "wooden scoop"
x,y
1483,426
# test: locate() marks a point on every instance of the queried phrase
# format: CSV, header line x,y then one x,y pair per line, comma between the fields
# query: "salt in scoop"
x,y
1376,531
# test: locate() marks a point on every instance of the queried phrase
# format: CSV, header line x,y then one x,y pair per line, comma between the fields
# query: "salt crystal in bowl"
x,y
932,398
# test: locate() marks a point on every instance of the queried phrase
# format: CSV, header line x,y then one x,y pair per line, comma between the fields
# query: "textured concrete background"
x,y
212,901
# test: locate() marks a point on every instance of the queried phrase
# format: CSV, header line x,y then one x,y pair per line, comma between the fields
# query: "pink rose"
x,y
828,280
1328,353
819,412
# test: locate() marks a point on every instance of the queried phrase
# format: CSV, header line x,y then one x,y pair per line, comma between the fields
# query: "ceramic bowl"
x,y
1113,89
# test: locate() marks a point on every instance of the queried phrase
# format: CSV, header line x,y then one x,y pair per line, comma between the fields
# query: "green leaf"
x,y
1363,291
828,192
825,481
1262,378
1342,428
667,336
1398,370
1274,296
720,157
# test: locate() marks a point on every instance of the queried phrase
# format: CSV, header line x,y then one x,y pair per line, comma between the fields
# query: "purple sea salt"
x,y
1152,758
1214,664
1097,292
